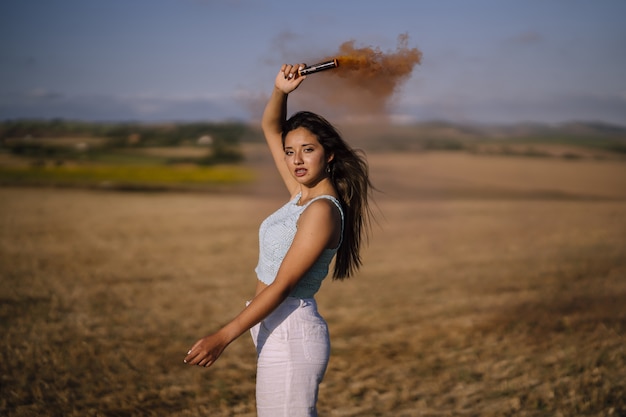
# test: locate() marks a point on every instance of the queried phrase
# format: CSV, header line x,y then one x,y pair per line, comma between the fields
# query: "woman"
x,y
327,215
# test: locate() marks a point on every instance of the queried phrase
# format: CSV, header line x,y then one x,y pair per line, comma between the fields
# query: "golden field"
x,y
492,286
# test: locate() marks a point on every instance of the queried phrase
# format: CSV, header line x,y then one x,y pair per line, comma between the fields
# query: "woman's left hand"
x,y
206,350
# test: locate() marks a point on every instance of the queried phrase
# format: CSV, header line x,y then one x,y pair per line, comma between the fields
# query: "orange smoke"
x,y
365,80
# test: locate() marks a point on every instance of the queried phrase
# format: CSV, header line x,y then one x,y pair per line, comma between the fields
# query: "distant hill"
x,y
531,139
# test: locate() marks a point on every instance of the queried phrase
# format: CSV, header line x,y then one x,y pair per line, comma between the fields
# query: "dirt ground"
x,y
492,286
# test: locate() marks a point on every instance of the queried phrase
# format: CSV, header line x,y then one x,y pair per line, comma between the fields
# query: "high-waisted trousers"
x,y
293,348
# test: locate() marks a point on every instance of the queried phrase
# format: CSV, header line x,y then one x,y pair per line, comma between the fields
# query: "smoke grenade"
x,y
362,84
319,67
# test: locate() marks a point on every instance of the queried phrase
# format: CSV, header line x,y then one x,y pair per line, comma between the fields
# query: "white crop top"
x,y
275,237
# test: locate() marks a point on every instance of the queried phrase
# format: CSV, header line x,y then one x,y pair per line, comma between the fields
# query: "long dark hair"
x,y
350,177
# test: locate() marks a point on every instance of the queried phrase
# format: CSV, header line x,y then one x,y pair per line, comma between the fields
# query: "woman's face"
x,y
305,156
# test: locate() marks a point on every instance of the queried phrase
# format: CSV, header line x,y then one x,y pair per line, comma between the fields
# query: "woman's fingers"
x,y
205,362
199,358
190,358
288,78
288,72
195,354
205,351
291,71
192,353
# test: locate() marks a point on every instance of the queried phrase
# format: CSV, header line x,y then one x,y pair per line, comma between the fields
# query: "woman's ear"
x,y
330,158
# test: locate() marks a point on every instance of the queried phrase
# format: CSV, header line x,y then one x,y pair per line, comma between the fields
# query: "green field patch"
x,y
129,174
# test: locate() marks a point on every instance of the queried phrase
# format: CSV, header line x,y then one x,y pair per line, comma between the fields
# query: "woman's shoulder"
x,y
324,204
329,198
324,213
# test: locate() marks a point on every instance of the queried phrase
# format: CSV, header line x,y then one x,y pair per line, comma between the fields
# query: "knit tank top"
x,y
275,237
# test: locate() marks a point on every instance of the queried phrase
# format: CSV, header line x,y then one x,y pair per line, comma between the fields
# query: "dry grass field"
x,y
492,286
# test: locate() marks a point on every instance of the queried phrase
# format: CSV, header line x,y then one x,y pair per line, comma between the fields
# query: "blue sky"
x,y
486,61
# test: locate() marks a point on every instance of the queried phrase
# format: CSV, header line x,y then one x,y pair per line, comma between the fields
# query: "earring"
x,y
328,169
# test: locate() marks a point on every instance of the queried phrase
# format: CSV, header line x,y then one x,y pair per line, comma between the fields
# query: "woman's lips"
x,y
300,172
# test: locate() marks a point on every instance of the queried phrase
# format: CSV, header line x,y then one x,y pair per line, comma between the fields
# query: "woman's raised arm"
x,y
275,115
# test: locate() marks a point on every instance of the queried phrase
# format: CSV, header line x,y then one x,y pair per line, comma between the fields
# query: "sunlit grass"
x,y
126,174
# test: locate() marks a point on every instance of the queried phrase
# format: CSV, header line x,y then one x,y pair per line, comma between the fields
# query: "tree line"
x,y
19,136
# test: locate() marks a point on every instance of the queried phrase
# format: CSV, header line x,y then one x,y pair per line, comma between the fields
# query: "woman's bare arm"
x,y
275,115
315,233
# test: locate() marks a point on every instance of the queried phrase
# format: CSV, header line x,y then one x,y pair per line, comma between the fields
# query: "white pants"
x,y
293,348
